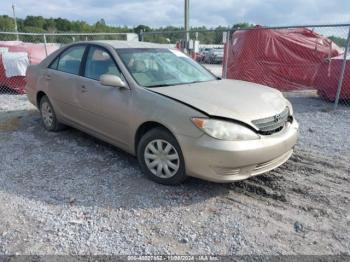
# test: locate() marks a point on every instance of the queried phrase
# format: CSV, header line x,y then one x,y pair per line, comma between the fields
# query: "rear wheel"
x,y
161,158
48,116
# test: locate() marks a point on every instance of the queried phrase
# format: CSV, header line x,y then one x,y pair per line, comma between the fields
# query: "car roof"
x,y
129,44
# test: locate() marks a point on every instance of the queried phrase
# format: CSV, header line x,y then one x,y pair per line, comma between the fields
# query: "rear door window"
x,y
70,60
54,64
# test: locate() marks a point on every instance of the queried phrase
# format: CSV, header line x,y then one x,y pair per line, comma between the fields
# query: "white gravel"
x,y
68,193
323,129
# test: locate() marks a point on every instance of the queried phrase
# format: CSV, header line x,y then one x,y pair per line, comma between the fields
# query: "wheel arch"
x,y
39,96
144,128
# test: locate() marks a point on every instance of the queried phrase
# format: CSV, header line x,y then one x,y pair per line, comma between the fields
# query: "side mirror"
x,y
112,80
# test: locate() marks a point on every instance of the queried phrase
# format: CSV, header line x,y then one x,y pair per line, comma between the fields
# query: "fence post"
x,y
45,43
342,71
226,53
141,35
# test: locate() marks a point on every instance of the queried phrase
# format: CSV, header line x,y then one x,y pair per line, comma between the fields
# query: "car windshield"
x,y
151,67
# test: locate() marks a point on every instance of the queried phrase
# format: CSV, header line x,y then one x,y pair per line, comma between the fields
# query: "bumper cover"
x,y
227,161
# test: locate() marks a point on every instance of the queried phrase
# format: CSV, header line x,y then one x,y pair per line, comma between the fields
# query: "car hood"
x,y
233,99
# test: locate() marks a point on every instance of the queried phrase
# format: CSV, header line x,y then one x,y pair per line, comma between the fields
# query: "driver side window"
x,y
98,63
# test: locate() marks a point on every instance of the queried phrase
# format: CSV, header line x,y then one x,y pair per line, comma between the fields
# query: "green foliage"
x,y
6,23
338,40
57,25
34,21
172,34
143,28
242,26
63,24
51,25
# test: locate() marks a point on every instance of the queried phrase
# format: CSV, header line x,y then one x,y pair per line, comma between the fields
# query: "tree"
x,y
338,40
242,25
171,33
144,28
102,22
62,24
6,23
50,25
80,26
34,21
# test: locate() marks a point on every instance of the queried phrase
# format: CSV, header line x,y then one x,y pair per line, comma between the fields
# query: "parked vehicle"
x,y
214,56
160,105
202,54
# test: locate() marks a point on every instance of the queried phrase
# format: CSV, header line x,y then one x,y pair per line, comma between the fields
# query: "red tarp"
x,y
36,53
286,59
16,83
327,78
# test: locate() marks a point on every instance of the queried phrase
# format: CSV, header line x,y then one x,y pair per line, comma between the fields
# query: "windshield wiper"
x,y
161,85
194,82
177,84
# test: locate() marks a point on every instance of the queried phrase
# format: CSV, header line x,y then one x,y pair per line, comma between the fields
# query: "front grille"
x,y
273,124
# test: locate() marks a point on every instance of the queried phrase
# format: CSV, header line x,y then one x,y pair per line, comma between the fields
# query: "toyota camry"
x,y
158,104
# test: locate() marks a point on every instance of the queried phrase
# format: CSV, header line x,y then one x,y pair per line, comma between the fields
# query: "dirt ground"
x,y
68,193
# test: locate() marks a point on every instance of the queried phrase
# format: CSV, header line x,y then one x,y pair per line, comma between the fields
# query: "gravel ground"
x,y
68,193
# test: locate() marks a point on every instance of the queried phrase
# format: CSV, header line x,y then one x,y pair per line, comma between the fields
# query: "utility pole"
x,y
187,18
15,19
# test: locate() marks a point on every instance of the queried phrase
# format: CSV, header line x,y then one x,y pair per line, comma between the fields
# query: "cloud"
x,y
203,12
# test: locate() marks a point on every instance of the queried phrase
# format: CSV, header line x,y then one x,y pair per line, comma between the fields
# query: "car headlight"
x,y
290,107
224,130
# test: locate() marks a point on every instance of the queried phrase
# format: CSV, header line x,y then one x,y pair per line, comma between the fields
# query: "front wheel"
x,y
161,158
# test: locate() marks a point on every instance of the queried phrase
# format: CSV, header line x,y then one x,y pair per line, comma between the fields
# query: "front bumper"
x,y
227,161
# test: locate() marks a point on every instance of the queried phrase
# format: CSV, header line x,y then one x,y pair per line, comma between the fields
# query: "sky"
x,y
209,13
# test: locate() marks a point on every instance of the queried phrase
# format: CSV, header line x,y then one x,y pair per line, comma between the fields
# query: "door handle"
x,y
47,77
83,89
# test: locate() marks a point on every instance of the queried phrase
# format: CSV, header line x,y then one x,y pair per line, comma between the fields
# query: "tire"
x,y
48,116
170,157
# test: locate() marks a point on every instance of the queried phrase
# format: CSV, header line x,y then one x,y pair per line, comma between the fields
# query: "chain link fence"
x,y
64,38
19,50
305,60
204,46
300,60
